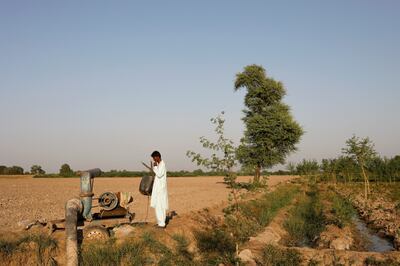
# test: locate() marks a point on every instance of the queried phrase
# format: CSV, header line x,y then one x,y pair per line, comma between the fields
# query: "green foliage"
x,y
270,130
13,170
182,247
343,210
371,261
66,171
217,237
360,150
306,220
8,247
263,210
42,245
291,168
144,250
37,170
307,167
2,169
223,157
214,240
275,256
105,254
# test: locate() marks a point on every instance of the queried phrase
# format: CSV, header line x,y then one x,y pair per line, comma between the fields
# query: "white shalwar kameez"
x,y
159,195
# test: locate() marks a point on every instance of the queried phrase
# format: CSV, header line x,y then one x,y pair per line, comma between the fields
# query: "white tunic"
x,y
159,195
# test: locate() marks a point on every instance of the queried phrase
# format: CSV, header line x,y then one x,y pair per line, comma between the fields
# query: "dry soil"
x,y
44,198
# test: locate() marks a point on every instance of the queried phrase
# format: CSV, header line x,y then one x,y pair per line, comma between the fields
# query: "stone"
x,y
247,257
123,231
268,236
24,224
340,244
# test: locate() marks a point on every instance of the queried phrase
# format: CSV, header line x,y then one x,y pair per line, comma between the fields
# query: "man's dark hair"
x,y
156,154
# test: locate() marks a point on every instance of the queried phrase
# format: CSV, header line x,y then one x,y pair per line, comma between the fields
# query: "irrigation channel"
x,y
374,242
321,218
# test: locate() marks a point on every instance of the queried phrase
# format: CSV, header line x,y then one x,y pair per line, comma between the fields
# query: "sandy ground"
x,y
38,198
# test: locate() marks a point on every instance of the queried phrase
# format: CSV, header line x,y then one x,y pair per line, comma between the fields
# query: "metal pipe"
x,y
73,207
86,195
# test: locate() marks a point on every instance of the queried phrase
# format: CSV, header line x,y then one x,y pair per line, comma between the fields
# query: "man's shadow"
x,y
170,216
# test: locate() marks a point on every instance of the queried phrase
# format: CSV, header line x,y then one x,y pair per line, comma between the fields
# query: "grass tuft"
x,y
371,261
306,220
275,256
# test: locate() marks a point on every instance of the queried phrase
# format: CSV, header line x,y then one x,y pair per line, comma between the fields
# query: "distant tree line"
x,y
358,162
345,169
13,170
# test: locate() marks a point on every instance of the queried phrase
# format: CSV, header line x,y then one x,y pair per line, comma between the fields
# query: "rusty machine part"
x,y
108,201
113,211
95,232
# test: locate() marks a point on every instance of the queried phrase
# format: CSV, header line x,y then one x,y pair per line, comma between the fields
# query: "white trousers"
x,y
160,215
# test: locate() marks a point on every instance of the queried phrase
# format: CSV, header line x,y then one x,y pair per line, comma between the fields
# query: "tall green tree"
x,y
271,133
37,170
66,170
362,151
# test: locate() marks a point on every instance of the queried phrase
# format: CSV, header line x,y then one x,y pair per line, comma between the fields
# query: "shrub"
x,y
8,247
342,210
371,261
274,256
43,245
131,252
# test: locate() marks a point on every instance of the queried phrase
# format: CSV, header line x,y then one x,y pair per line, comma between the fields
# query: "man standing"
x,y
159,197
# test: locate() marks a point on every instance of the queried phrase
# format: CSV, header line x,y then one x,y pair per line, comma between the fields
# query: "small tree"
x,y
309,168
66,171
362,151
346,167
270,130
37,170
328,166
223,157
291,168
394,166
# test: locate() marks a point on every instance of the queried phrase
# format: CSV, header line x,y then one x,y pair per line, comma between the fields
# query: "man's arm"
x,y
159,170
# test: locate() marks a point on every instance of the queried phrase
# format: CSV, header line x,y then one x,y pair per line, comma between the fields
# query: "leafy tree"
x,y
66,171
308,168
2,169
394,167
362,151
270,130
223,158
37,170
345,167
328,166
291,168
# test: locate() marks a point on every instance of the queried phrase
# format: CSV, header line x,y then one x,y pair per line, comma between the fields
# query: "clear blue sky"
x,y
104,83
